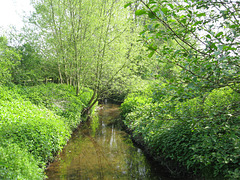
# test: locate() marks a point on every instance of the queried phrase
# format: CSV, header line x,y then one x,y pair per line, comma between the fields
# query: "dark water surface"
x,y
98,150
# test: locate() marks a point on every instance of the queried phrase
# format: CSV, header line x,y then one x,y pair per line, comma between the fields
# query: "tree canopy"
x,y
205,36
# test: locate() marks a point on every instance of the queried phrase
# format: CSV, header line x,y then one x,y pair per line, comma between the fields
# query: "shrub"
x,y
34,127
134,100
17,163
59,98
35,124
201,134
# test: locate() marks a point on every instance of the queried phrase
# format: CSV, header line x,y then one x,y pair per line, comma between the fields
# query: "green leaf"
x,y
171,6
201,14
140,12
197,22
213,46
219,34
152,2
128,4
156,26
164,10
191,85
225,47
151,15
184,21
142,32
208,36
171,20
195,79
152,48
151,54
233,26
232,48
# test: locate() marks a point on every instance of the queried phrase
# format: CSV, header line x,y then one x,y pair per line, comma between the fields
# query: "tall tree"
x,y
9,58
206,34
90,40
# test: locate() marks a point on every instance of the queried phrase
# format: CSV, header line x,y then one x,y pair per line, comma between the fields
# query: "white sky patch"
x,y
12,12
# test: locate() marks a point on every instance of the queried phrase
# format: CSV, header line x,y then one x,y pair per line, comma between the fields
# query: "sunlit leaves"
x,y
201,14
200,126
151,54
140,12
32,134
196,27
219,34
200,39
17,163
171,6
128,4
9,58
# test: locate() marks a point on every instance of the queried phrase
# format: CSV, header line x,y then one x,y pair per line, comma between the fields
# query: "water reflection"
x,y
100,151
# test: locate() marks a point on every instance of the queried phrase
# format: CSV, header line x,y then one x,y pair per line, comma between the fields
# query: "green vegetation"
x,y
60,99
17,163
36,123
176,63
200,133
190,117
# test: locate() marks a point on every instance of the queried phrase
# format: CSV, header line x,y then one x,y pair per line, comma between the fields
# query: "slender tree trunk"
x,y
60,74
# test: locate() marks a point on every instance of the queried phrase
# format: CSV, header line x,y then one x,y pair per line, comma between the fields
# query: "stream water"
x,y
99,150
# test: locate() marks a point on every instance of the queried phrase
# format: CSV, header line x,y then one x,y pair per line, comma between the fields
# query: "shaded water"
x,y
98,150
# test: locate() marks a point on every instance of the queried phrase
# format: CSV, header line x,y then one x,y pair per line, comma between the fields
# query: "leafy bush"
x,y
35,124
214,122
17,163
201,134
59,98
135,100
9,58
35,128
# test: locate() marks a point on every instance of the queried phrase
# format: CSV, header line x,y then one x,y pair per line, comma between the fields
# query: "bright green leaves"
x,y
151,54
34,131
31,134
9,58
196,28
205,128
140,12
85,39
171,6
164,10
128,4
153,50
203,52
219,34
201,15
17,163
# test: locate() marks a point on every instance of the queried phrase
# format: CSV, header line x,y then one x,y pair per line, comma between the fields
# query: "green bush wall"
x,y
202,134
35,124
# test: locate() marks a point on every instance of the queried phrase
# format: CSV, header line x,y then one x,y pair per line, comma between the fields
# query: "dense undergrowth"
x,y
200,135
35,124
60,99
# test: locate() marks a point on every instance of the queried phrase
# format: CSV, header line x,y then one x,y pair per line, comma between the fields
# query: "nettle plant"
x,y
199,37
